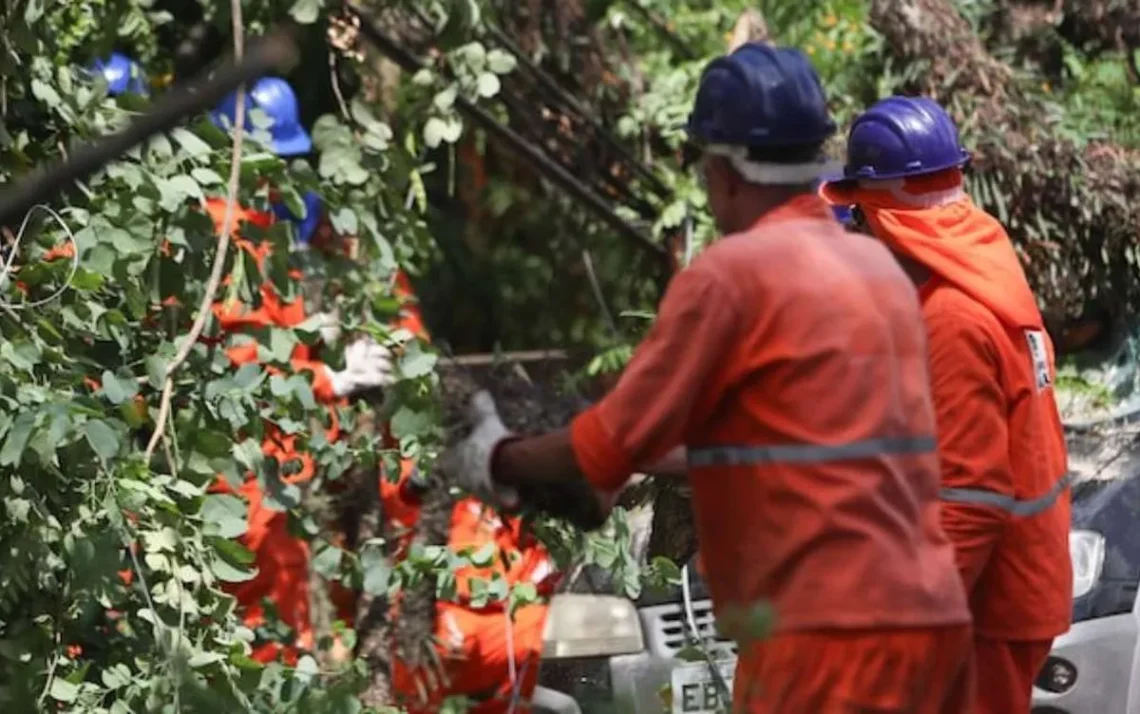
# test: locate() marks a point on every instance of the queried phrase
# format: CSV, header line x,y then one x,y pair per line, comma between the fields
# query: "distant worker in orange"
x,y
282,559
790,359
489,655
1005,495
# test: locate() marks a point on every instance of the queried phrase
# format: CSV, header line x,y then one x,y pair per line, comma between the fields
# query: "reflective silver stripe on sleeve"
x,y
1031,507
810,453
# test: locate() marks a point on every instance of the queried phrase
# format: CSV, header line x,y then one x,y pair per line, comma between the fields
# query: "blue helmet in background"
x,y
305,226
761,96
122,74
276,98
900,137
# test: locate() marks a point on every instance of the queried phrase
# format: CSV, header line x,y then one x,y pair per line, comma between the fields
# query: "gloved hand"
x,y
468,462
367,365
329,327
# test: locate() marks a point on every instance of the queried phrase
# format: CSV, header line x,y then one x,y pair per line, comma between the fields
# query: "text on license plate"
x,y
695,690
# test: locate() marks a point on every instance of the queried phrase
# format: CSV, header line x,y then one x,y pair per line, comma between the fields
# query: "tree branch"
x,y
222,249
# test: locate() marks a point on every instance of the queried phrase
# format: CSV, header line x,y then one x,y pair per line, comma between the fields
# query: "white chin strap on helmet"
x,y
766,174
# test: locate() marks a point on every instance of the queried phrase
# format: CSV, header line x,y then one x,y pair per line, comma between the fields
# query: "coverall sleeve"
x,y
973,437
672,378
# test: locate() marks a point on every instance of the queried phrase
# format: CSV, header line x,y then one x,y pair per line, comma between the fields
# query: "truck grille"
x,y
665,628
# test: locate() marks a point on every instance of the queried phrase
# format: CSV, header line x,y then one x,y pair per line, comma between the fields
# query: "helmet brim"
x,y
840,192
296,143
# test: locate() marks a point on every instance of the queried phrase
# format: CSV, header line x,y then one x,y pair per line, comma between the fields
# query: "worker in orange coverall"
x,y
487,655
282,559
790,358
1005,496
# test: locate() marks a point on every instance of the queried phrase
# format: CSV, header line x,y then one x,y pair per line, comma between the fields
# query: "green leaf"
x,y
102,438
228,573
305,12
17,440
489,85
281,345
445,99
183,186
190,143
434,130
116,677
207,177
46,94
248,453
377,571
501,61
155,371
326,561
118,390
483,557
224,515
416,363
22,355
201,659
63,690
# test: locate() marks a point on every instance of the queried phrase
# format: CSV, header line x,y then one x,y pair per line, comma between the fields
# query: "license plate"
x,y
695,690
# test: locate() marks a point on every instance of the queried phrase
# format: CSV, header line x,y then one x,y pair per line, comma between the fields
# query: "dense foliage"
x,y
112,555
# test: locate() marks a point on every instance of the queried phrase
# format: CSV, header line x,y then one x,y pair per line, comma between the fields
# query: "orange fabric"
x,y
992,373
797,338
919,671
475,648
474,643
410,317
281,559
1006,671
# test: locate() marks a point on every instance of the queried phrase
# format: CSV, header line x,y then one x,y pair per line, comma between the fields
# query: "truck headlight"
x,y
580,625
1086,548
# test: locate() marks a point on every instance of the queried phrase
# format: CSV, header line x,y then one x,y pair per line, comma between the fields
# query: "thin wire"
x,y
15,249
703,644
598,294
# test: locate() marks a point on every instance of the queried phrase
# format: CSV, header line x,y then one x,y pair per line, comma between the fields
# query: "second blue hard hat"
x,y
306,225
900,137
276,98
761,96
121,73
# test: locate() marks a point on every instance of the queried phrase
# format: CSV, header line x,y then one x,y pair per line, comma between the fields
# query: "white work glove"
x,y
367,365
468,463
329,327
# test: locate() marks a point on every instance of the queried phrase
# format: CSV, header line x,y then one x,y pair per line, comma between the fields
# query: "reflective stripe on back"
x,y
1017,507
810,453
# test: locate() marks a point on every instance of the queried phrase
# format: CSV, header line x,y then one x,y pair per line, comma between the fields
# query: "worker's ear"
x,y
720,177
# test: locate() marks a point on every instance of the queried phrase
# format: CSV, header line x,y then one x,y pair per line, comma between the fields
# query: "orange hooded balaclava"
x,y
932,221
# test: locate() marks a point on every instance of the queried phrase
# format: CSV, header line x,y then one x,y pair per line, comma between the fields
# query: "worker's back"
x,y
815,477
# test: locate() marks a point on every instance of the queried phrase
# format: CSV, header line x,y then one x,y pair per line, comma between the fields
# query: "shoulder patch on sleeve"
x,y
1039,356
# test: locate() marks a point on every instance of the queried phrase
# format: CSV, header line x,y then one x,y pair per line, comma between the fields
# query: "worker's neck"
x,y
758,201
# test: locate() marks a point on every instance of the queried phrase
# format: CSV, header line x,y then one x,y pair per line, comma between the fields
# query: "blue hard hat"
x,y
761,96
275,97
903,136
121,73
305,226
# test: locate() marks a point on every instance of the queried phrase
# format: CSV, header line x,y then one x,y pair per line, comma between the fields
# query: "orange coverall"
x,y
476,644
791,361
1001,443
280,558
